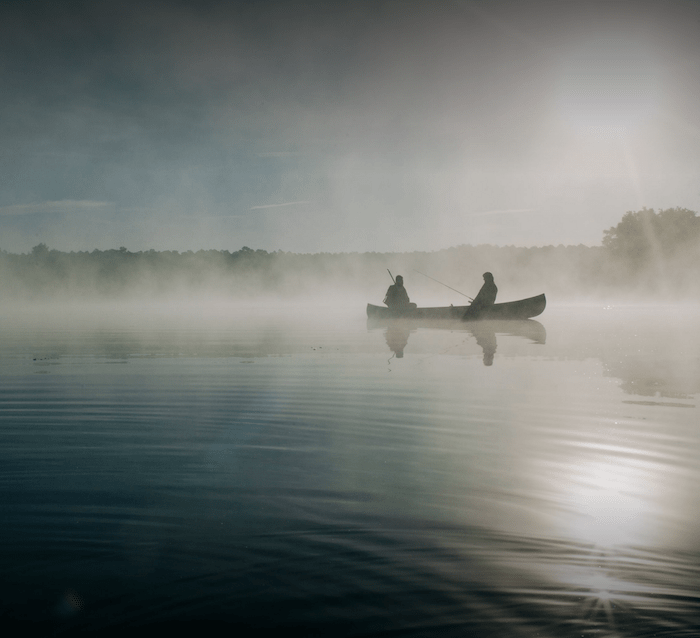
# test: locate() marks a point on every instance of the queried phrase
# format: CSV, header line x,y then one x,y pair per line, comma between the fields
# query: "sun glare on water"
x,y
610,511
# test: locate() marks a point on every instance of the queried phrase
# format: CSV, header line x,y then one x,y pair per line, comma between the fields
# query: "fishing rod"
x,y
446,286
390,275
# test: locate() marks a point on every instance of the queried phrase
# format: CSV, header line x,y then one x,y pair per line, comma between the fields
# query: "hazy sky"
x,y
342,126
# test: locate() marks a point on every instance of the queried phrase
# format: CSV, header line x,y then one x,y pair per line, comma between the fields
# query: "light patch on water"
x,y
611,499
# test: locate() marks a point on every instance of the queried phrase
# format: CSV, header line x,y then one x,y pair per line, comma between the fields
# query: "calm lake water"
x,y
298,469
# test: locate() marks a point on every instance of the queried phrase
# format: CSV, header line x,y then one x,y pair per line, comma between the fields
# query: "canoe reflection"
x,y
398,331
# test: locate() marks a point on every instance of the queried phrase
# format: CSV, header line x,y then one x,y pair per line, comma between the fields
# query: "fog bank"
x,y
564,273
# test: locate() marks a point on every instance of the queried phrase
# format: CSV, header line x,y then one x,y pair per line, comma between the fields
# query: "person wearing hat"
x,y
485,299
397,297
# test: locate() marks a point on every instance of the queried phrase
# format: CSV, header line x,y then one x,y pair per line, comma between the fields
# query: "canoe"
x,y
521,309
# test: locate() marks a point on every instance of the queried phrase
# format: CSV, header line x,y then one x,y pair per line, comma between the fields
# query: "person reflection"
x,y
486,338
396,336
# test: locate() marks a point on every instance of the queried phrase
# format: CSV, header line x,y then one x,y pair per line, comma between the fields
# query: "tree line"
x,y
646,253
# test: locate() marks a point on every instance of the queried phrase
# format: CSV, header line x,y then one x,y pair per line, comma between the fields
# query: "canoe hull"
x,y
521,309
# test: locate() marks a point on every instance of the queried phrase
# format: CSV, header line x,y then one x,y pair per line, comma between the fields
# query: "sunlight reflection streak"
x,y
609,499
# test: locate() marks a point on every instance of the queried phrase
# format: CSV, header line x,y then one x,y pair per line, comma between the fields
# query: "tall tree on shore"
x,y
644,237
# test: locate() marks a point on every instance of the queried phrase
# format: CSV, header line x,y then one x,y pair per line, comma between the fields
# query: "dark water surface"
x,y
259,468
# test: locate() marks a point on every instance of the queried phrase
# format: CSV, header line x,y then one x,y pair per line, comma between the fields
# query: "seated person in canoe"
x,y
485,299
397,297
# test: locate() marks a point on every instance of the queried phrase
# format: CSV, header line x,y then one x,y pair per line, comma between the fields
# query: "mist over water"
x,y
647,256
281,466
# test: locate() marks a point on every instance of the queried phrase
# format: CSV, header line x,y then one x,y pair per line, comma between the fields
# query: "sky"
x,y
342,126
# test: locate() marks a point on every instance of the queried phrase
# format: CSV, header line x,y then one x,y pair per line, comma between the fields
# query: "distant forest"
x,y
648,255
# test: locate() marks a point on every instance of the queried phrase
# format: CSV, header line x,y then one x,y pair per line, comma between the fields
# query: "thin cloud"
x,y
277,154
63,206
278,205
502,212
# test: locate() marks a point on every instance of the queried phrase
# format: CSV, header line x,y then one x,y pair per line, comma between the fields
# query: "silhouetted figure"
x,y
396,338
397,297
485,299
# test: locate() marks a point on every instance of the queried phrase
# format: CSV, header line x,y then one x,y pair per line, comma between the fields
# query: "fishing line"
x,y
446,286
